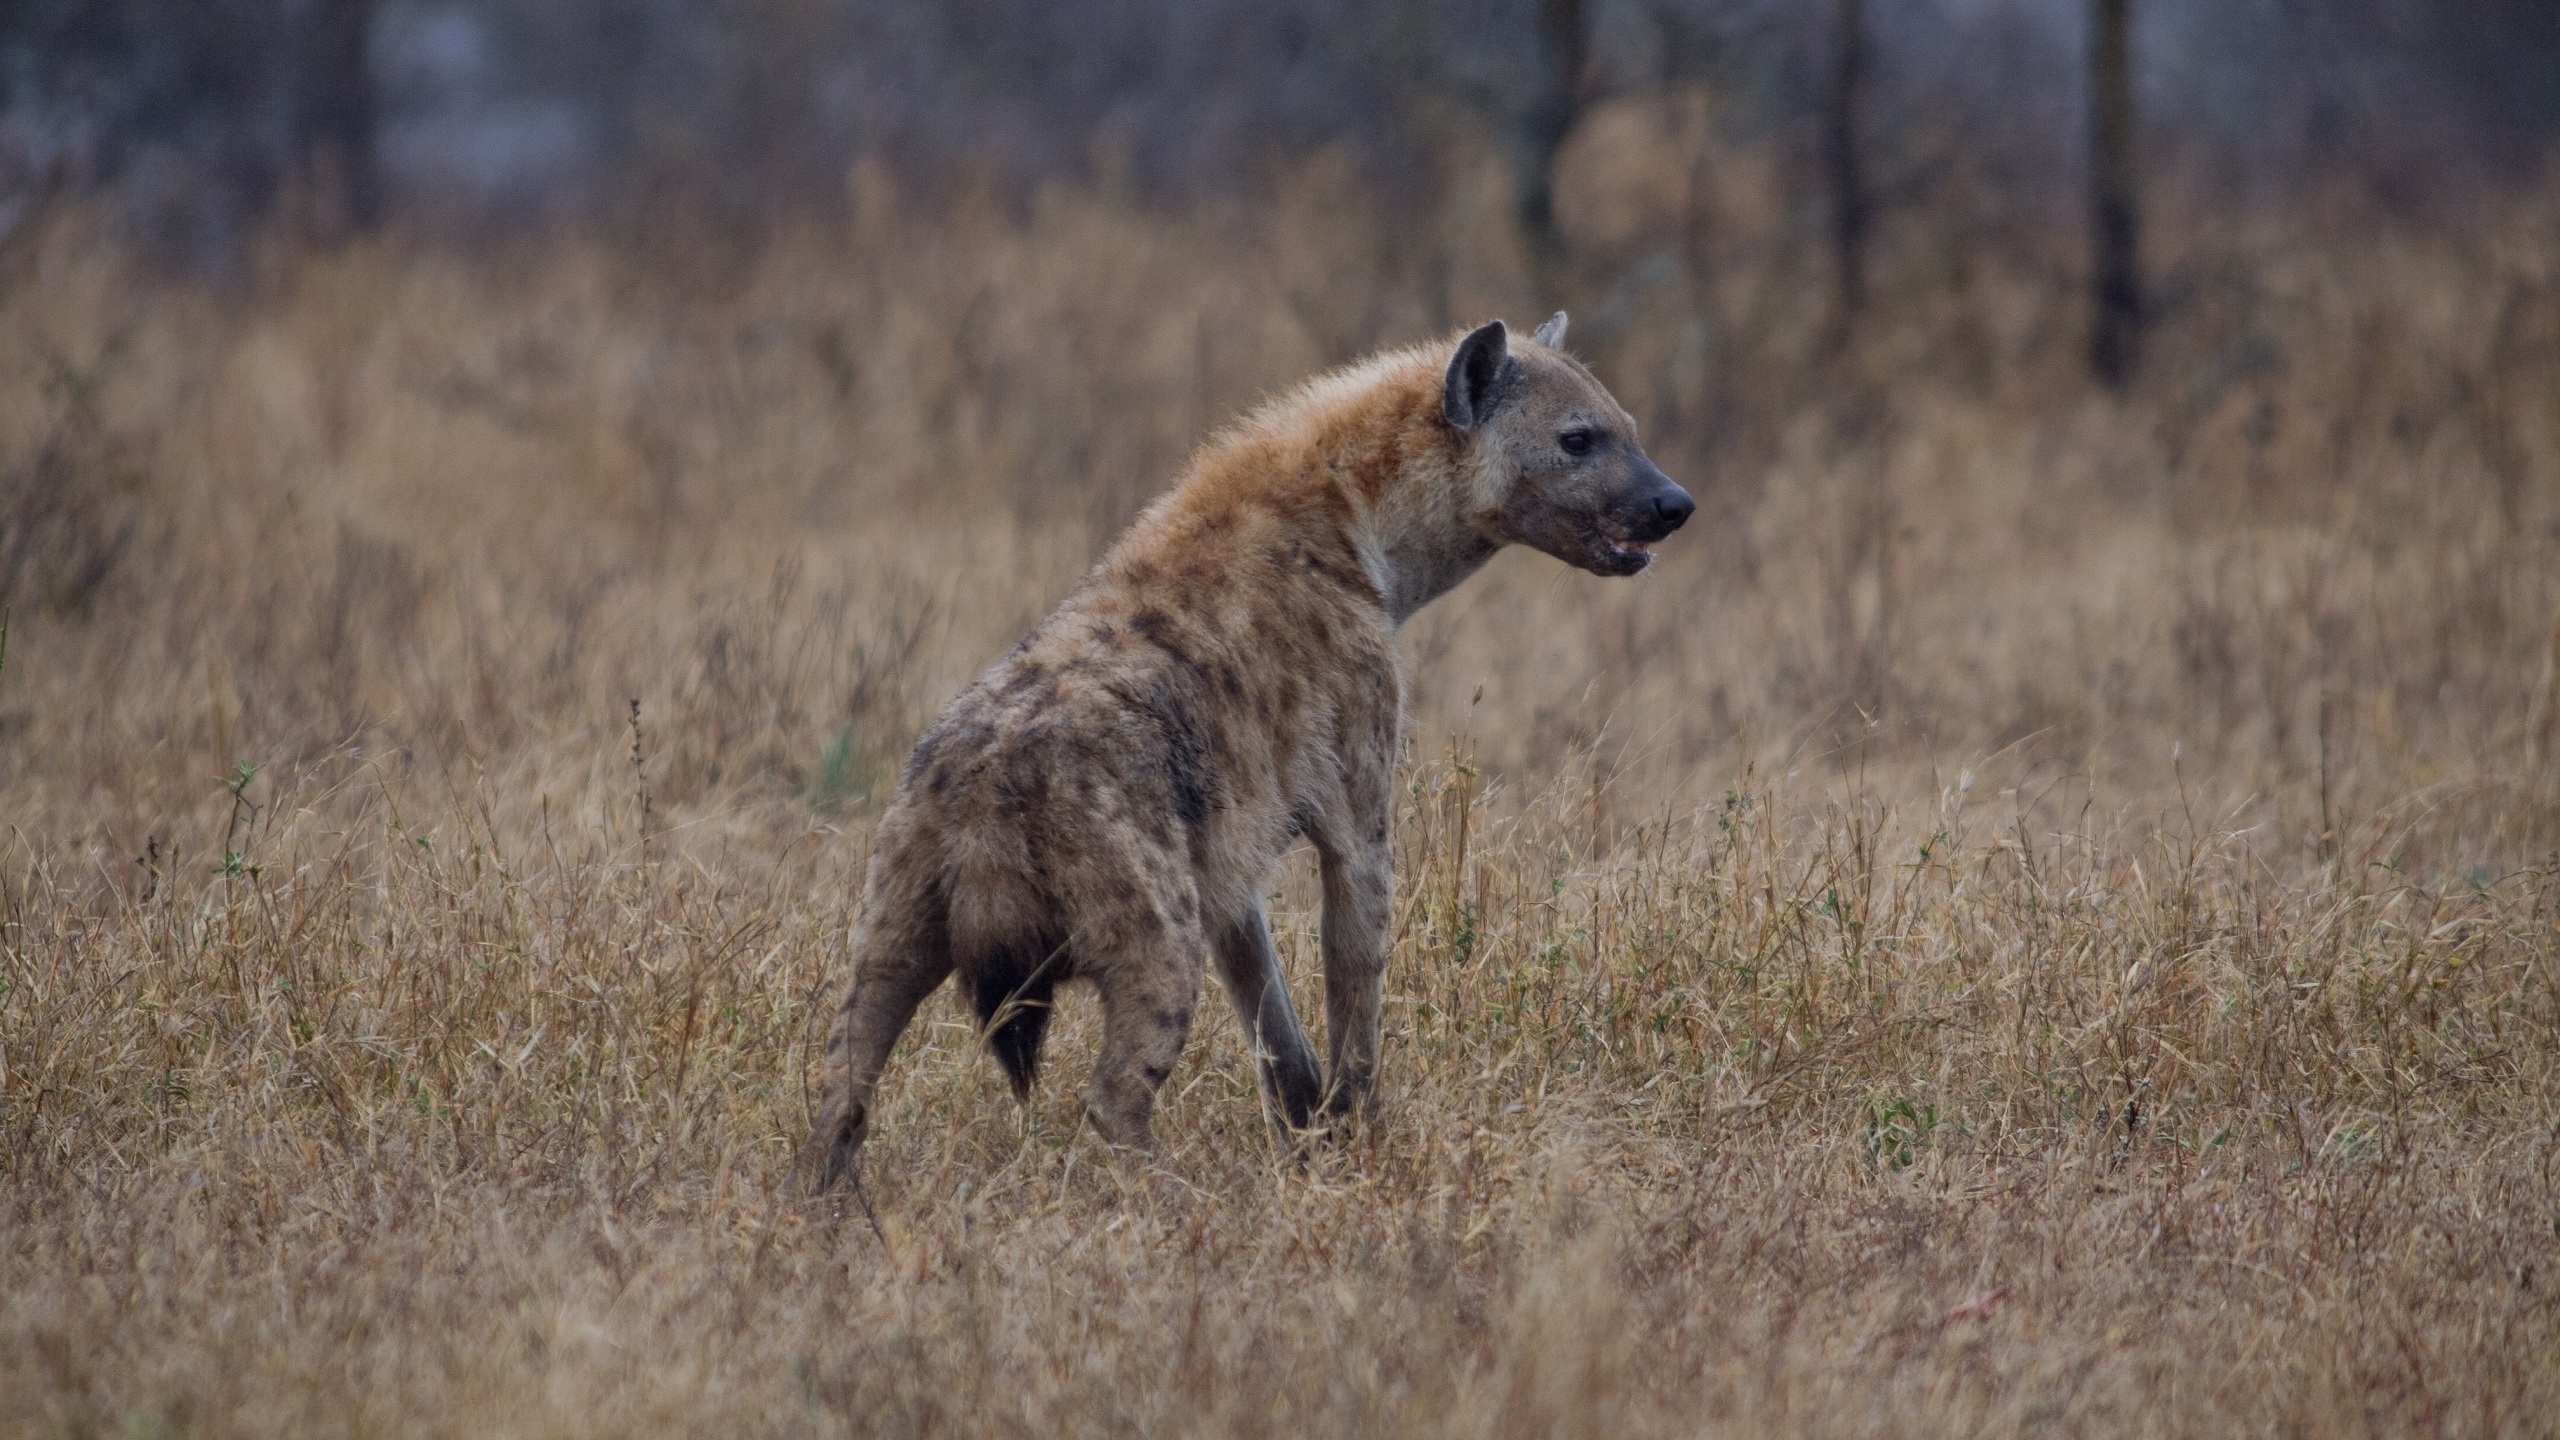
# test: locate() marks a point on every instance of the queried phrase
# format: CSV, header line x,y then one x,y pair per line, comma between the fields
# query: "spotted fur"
x,y
1107,804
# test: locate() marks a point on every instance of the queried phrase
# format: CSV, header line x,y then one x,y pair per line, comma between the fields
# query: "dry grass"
x,y
2040,914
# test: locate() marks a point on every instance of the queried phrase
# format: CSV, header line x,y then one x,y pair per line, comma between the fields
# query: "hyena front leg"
x,y
1250,969
1359,893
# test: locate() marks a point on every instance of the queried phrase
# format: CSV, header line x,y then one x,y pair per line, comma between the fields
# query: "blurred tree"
x,y
1554,102
2115,222
1845,163
213,106
340,158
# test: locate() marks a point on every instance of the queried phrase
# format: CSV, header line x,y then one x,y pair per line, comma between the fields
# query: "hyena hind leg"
x,y
1148,996
895,968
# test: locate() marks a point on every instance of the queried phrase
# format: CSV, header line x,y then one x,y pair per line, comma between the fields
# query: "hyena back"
x,y
1108,802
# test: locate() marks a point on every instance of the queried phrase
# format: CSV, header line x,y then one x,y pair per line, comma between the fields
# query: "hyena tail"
x,y
1012,991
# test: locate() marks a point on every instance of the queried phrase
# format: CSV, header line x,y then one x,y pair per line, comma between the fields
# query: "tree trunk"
x,y
1846,164
2115,220
337,91
1548,118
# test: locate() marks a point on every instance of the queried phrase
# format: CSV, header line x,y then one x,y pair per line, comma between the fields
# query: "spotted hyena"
x,y
1107,804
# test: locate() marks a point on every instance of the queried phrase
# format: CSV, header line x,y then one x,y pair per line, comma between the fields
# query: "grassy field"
x,y
2039,915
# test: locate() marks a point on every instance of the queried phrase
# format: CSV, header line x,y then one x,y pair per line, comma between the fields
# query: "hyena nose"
x,y
1673,507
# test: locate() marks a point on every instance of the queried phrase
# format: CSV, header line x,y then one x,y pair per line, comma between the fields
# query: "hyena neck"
x,y
1366,449
1412,534
1416,561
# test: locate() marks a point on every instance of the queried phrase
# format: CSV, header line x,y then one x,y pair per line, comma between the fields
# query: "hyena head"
x,y
1554,460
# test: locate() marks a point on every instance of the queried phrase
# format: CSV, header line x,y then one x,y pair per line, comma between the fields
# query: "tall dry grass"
x,y
2039,914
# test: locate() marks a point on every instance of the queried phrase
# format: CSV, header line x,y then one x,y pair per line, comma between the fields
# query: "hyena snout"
x,y
1663,505
1641,507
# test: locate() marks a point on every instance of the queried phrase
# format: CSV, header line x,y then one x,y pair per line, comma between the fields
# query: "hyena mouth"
x,y
1639,551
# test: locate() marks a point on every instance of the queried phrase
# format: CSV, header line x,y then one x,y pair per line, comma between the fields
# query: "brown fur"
x,y
1108,802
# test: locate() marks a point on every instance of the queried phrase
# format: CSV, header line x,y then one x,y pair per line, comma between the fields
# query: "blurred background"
x,y
463,116
2111,377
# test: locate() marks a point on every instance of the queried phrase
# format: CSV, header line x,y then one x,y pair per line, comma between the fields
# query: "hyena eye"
x,y
1577,442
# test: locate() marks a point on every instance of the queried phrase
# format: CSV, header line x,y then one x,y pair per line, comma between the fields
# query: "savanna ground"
x,y
2038,915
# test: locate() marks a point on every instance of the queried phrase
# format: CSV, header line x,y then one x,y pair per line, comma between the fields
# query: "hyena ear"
x,y
1551,334
1473,373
